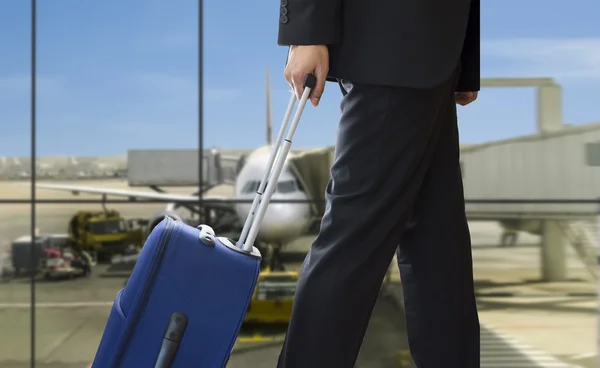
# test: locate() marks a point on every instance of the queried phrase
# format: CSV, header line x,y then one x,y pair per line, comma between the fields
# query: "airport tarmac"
x,y
524,323
68,333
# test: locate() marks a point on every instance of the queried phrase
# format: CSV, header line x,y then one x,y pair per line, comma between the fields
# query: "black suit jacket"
x,y
406,43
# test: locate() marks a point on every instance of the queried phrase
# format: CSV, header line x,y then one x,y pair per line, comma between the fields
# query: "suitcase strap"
x,y
275,164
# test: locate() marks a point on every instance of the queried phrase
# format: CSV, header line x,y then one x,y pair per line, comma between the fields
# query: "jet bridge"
x,y
550,174
546,183
312,168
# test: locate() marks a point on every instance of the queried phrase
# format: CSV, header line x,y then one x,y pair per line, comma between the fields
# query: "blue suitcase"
x,y
189,292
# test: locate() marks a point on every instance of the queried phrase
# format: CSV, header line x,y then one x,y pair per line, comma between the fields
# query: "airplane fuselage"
x,y
283,222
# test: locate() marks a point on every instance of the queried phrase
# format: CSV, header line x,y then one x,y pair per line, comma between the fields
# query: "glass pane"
x,y
15,91
81,273
126,80
15,291
124,77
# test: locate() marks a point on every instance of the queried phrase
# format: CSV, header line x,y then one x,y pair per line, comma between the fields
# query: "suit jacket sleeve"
x,y
309,22
470,75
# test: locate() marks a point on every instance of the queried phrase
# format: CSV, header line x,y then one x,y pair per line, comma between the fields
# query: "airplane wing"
x,y
215,201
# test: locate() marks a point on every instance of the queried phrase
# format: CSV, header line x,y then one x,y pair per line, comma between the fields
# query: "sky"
x,y
115,75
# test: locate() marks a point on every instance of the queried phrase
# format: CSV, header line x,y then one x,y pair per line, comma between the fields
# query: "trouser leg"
x,y
435,263
386,140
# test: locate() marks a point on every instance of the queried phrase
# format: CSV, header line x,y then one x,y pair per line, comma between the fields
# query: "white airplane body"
x,y
283,222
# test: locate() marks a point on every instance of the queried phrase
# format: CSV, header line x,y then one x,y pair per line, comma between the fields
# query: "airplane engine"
x,y
161,215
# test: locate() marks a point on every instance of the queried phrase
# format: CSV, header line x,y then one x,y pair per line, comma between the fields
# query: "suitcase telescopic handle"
x,y
279,153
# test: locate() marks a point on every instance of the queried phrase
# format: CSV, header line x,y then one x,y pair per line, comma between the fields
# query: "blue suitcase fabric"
x,y
176,272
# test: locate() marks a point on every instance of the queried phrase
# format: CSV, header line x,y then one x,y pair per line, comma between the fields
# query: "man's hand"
x,y
303,60
465,98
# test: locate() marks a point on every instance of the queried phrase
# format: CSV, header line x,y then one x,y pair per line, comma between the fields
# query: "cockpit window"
x,y
284,187
251,186
287,186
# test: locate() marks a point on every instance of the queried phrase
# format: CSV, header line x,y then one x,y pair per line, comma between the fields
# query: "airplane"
x,y
282,223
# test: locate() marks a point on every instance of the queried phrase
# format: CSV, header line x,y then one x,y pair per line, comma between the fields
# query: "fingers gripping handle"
x,y
273,170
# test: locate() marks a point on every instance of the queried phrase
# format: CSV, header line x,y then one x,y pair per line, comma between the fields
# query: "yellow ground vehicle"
x,y
104,233
273,298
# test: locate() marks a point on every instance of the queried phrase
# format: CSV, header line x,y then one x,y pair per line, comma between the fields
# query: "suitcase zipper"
x,y
156,262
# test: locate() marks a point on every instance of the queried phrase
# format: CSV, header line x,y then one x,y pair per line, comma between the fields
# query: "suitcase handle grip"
x,y
277,159
310,81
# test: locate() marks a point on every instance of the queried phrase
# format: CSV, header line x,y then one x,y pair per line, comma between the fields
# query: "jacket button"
x,y
283,19
284,3
283,11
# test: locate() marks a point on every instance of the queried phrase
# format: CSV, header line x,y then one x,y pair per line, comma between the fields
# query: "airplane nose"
x,y
283,221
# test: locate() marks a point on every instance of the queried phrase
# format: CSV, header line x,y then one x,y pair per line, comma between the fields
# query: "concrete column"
x,y
549,101
553,252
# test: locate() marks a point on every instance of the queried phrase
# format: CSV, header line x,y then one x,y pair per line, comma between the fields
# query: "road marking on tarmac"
x,y
584,356
55,305
493,355
499,350
258,338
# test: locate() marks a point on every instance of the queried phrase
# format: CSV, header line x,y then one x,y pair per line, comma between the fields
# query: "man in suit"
x,y
396,184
